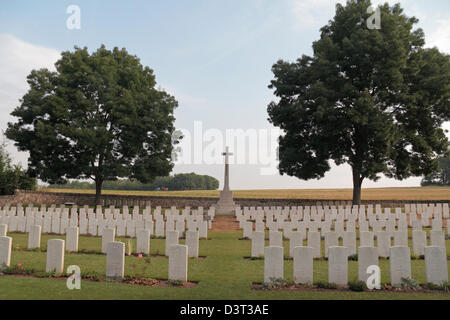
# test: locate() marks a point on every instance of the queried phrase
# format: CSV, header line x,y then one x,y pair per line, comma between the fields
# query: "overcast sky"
x,y
214,56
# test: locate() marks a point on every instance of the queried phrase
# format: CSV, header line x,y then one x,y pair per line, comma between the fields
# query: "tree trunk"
x,y
98,191
357,183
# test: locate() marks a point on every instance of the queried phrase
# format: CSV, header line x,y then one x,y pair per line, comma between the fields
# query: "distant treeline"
x,y
440,178
177,182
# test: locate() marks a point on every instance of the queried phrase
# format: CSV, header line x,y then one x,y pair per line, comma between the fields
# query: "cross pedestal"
x,y
226,205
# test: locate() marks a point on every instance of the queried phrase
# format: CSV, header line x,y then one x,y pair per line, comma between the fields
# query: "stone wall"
x,y
49,198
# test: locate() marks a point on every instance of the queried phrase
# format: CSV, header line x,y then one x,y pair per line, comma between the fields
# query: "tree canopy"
x,y
99,116
375,99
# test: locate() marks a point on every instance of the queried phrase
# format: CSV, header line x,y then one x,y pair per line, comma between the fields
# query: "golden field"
x,y
414,193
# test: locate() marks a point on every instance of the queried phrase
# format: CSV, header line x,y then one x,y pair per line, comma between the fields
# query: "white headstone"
x,y
331,240
92,227
143,241
419,241
131,228
83,226
383,243
115,260
192,242
275,239
159,228
121,228
273,263
437,238
366,239
34,237
108,236
203,229
367,256
436,265
5,250
400,265
303,265
178,262
314,242
72,234
400,238
338,265
257,244
55,256
349,242
3,230
296,240
247,228
56,225
172,238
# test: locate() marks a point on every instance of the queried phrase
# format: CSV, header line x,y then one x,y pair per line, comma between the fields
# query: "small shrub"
x,y
415,256
175,283
408,283
444,286
432,286
275,283
353,257
357,286
326,285
91,276
51,274
41,274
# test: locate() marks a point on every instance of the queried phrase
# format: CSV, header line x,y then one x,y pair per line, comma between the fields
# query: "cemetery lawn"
x,y
415,193
224,274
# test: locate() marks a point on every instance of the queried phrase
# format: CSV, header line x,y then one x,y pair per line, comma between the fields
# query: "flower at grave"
x,y
19,265
139,255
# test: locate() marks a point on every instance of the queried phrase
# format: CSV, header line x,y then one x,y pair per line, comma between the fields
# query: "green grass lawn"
x,y
224,274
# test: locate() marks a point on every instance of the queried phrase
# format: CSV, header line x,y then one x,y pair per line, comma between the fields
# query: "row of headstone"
x,y
108,235
332,239
115,253
108,214
430,209
332,219
339,224
400,264
94,227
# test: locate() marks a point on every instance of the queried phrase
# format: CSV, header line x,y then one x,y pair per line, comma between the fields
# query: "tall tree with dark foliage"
x,y
99,116
375,99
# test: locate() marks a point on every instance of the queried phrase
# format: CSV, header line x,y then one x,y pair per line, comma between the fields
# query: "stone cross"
x,y
227,172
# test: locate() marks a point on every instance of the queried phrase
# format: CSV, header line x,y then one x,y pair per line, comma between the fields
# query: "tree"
x,y
374,99
99,117
13,177
441,177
